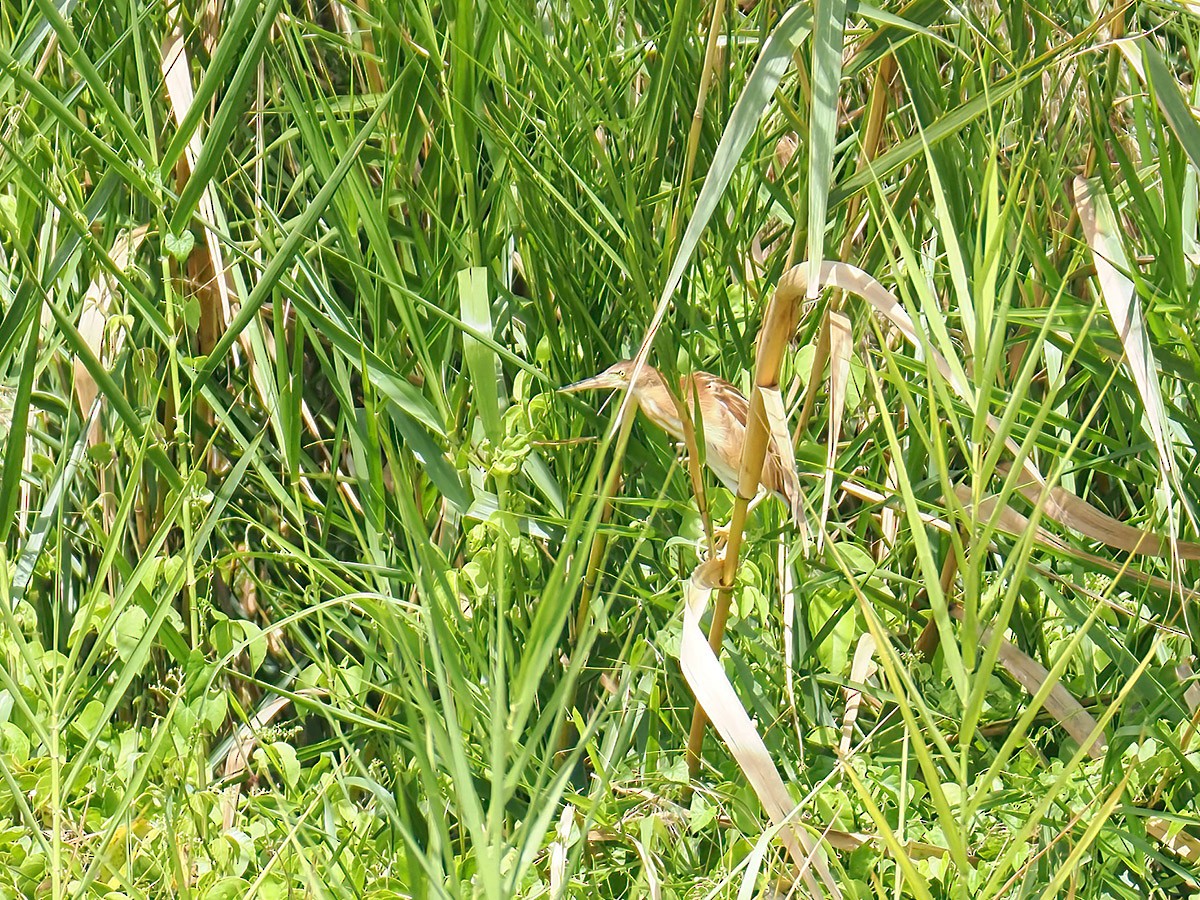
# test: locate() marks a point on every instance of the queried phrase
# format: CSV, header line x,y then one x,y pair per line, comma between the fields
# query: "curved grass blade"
x,y
829,18
18,431
1174,107
482,364
1100,226
720,702
48,514
772,65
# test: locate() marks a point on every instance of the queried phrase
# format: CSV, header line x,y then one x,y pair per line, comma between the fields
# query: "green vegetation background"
x,y
292,559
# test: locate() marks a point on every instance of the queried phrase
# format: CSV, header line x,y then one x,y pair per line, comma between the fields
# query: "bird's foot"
x,y
720,539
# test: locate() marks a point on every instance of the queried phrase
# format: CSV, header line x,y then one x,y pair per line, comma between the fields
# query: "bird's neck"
x,y
660,408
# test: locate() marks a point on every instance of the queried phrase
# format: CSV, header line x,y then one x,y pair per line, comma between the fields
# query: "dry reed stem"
x,y
773,337
877,108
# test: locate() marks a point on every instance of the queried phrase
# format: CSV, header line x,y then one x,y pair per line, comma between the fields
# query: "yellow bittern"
x,y
723,416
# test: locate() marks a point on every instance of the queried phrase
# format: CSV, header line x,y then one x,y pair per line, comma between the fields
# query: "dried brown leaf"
x,y
841,344
861,668
777,427
1171,836
94,319
1013,522
1067,509
713,692
1070,511
1059,703
1125,307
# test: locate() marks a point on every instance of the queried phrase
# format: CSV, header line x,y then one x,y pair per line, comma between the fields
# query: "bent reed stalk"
x,y
776,331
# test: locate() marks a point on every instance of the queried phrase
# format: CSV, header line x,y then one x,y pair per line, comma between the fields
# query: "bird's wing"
x,y
724,400
720,398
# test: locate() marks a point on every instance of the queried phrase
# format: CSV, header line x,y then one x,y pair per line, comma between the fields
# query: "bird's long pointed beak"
x,y
596,382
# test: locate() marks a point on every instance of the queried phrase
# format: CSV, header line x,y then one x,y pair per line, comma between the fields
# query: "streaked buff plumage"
x,y
724,413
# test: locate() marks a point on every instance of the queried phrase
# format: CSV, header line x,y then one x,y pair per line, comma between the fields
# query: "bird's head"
x,y
615,377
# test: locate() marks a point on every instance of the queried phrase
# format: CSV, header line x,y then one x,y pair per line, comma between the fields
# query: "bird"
x,y
724,412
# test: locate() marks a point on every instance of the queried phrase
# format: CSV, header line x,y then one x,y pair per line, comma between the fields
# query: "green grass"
x,y
289,610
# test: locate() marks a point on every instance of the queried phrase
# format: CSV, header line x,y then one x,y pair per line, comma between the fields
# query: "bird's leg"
x,y
719,539
704,546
